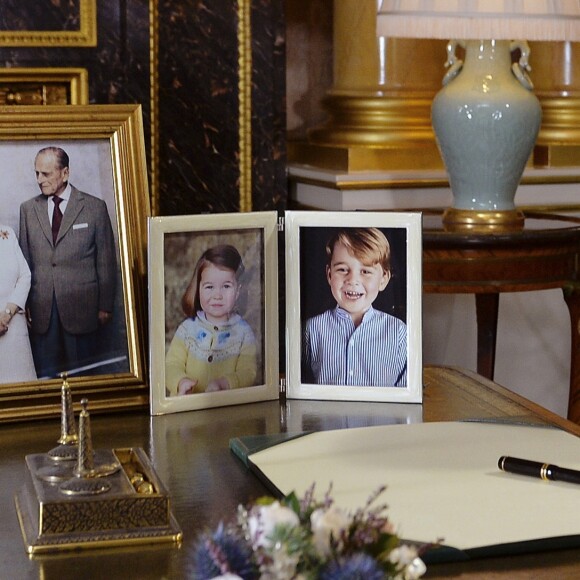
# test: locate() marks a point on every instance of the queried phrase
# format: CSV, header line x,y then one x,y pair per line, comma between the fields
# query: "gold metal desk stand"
x,y
102,498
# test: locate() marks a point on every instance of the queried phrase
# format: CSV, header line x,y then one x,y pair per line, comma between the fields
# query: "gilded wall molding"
x,y
244,39
154,104
245,103
86,35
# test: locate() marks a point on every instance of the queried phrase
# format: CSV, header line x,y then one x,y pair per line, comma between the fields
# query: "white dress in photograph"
x,y
16,363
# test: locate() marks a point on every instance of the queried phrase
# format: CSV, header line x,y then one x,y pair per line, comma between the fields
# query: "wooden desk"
x,y
545,254
190,453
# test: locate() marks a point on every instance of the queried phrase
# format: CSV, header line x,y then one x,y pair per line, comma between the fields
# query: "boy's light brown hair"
x,y
368,245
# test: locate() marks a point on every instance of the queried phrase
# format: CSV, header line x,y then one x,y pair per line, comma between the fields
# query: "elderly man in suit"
x,y
67,240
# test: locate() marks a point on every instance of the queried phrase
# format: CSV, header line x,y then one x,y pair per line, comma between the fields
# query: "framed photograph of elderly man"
x,y
353,316
73,209
213,301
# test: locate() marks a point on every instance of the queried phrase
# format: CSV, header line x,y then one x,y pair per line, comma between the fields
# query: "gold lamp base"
x,y
476,221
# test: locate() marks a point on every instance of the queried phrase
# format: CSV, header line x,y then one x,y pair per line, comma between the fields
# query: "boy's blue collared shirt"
x,y
374,354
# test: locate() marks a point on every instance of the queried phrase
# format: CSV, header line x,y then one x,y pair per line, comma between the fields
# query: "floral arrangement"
x,y
305,539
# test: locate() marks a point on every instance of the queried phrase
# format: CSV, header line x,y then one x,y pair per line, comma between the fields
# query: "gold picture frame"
x,y
85,35
106,147
73,80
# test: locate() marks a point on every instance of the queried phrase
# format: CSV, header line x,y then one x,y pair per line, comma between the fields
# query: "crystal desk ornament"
x,y
105,498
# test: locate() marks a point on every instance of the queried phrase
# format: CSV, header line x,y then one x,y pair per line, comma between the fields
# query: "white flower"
x,y
327,522
415,569
282,566
264,519
402,555
406,557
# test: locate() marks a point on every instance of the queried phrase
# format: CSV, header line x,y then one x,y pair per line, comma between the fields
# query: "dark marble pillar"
x,y
269,106
198,106
199,118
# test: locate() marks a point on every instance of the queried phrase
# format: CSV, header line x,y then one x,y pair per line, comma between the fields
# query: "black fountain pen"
x,y
545,471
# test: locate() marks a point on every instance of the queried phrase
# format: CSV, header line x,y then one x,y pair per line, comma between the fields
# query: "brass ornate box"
x,y
128,505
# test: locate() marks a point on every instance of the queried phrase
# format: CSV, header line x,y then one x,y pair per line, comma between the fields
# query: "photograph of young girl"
x,y
214,320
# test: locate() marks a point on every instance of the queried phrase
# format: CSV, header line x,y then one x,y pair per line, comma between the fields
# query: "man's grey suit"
x,y
80,270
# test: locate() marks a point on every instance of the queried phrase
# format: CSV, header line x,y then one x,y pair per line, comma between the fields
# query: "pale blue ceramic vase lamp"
x,y
486,117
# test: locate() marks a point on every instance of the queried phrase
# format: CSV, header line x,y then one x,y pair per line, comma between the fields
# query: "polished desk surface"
x,y
206,482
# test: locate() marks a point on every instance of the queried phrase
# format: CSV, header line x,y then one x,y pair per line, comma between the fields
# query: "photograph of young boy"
x,y
352,340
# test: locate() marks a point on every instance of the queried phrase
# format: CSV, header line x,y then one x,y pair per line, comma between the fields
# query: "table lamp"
x,y
486,117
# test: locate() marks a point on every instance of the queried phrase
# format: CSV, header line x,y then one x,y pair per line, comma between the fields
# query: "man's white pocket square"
x,y
80,226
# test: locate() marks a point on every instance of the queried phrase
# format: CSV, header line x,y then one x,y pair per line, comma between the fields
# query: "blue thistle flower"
x,y
357,567
223,551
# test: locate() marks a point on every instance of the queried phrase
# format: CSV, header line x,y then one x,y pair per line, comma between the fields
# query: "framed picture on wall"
x,y
71,295
353,300
49,23
213,310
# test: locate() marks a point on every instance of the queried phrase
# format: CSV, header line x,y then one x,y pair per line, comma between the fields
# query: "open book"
x,y
442,481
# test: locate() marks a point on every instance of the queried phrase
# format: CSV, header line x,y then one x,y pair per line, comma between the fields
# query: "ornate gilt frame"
x,y
85,36
119,129
77,80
